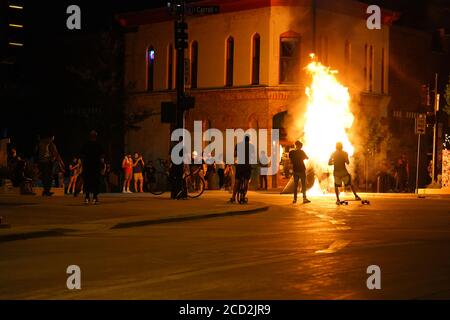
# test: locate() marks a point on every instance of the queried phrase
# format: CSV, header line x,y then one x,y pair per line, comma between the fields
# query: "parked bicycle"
x,y
161,180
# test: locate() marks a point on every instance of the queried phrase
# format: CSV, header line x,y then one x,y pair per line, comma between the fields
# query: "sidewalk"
x,y
30,216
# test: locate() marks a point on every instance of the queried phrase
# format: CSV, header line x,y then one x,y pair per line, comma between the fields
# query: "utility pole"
x,y
435,110
181,43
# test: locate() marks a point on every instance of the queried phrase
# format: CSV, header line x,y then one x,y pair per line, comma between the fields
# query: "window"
x,y
170,68
383,70
150,57
289,59
194,64
348,53
371,69
229,62
256,55
365,64
324,58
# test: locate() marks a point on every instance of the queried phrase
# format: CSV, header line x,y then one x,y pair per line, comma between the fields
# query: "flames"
x,y
327,120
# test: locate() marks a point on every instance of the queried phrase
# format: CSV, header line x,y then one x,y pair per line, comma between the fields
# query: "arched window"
x,y
194,64
383,71
289,57
348,53
256,57
229,62
170,67
150,57
371,69
366,53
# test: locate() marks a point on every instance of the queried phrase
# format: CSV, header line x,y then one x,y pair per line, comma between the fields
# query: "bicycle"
x,y
241,192
194,183
160,181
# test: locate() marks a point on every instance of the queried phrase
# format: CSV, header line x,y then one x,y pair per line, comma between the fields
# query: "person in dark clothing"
x,y
178,190
48,154
17,168
243,166
149,178
105,170
298,156
402,174
92,154
339,159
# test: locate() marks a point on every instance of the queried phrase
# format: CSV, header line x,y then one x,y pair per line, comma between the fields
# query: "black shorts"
x,y
243,171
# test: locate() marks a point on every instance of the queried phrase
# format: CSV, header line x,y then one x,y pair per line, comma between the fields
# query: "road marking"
x,y
335,246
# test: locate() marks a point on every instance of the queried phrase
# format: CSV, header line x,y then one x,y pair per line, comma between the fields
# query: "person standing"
x,y
220,165
263,163
297,157
127,166
339,159
47,155
243,166
149,178
138,168
74,172
92,154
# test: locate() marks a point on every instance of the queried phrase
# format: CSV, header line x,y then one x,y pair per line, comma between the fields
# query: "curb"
x,y
141,223
57,232
34,234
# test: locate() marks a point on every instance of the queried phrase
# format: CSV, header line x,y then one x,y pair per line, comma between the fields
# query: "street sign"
x,y
200,10
421,124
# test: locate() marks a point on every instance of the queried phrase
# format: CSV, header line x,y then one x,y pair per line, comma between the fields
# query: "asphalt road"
x,y
312,251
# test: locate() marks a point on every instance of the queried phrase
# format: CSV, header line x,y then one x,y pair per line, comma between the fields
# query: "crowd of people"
x,y
395,176
89,172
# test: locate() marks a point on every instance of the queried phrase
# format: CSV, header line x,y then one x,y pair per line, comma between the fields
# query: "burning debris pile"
x,y
326,121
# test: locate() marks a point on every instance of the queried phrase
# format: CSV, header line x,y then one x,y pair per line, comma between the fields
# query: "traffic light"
x,y
168,112
181,35
188,102
425,95
431,119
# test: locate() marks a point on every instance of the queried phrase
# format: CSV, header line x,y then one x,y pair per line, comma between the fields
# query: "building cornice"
x,y
349,7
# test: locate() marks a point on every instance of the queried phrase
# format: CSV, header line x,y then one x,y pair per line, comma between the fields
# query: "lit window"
x,y
150,57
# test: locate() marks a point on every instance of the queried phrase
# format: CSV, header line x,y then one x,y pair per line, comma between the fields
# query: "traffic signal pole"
x,y
180,37
179,29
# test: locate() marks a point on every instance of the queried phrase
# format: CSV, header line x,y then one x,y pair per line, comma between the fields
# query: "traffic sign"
x,y
201,10
421,124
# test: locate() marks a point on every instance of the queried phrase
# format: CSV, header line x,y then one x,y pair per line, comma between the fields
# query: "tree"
x,y
96,88
447,98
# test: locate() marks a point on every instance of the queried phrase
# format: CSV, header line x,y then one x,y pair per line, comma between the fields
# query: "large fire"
x,y
326,121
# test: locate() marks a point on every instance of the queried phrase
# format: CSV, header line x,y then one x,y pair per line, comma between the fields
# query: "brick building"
x,y
246,65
